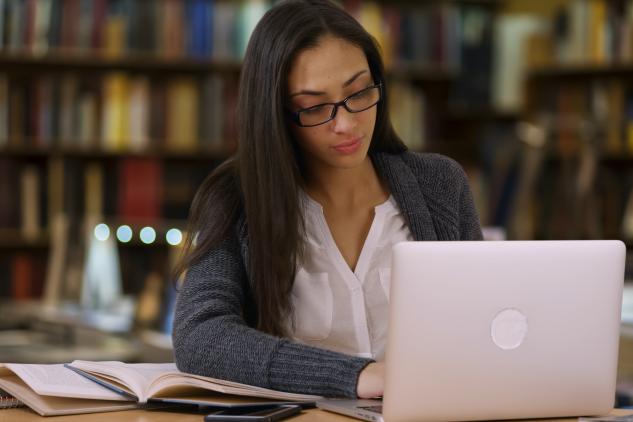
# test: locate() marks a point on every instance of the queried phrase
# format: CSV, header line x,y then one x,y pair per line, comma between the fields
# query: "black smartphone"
x,y
269,414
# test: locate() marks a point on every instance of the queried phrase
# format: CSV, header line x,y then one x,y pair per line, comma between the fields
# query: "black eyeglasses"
x,y
323,113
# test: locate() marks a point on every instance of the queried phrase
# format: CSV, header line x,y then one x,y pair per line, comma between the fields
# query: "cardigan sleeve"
x,y
211,337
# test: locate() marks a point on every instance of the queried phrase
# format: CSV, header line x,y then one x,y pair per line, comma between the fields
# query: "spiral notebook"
x,y
7,401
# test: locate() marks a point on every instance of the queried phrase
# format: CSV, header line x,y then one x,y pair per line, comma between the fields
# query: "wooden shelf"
x,y
606,160
421,72
35,152
13,239
20,243
586,70
135,243
153,64
486,114
617,160
24,152
417,2
98,62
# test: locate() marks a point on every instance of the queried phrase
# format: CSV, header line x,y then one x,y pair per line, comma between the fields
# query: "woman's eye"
x,y
313,110
361,94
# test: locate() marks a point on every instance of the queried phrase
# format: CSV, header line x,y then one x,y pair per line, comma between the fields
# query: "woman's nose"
x,y
344,120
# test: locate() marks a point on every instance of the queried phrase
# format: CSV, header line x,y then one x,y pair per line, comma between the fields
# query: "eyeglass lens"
x,y
355,103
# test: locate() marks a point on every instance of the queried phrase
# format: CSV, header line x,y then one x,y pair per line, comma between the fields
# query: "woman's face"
x,y
329,73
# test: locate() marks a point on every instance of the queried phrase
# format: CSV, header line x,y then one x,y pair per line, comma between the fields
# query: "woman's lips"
x,y
348,147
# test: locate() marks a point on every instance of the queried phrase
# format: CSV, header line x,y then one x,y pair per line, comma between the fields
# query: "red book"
x,y
21,277
392,21
140,193
29,27
70,23
98,24
173,28
39,118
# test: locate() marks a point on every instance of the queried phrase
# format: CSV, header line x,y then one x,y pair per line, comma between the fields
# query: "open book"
x,y
87,387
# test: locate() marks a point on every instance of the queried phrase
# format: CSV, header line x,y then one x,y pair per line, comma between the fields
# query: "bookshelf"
x,y
572,176
138,62
114,111
31,152
585,112
603,70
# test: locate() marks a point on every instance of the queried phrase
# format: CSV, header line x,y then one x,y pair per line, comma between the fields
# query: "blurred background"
x,y
112,112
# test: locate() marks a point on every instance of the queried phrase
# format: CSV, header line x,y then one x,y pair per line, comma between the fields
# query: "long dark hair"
x,y
262,181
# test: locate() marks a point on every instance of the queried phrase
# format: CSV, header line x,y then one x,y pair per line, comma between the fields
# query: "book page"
x,y
154,379
55,380
50,406
136,376
166,383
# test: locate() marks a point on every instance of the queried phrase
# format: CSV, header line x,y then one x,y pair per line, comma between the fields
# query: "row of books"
x,y
118,112
131,190
122,112
26,276
575,203
62,208
453,36
430,32
23,211
597,115
434,33
594,31
22,276
169,28
524,185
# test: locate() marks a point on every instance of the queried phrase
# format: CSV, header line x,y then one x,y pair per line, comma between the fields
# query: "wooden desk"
x,y
313,415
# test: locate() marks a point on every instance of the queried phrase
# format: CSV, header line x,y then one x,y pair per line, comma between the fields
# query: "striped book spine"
x,y
7,401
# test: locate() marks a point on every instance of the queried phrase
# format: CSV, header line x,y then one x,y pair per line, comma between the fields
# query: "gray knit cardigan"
x,y
212,336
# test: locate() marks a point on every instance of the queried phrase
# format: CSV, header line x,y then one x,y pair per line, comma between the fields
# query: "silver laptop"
x,y
499,330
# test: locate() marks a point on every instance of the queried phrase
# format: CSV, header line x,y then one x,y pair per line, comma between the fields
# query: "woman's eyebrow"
x,y
345,84
353,78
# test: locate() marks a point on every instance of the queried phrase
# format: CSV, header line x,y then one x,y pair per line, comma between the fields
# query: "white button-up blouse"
x,y
339,309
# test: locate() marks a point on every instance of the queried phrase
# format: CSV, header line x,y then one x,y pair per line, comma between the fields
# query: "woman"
x,y
287,282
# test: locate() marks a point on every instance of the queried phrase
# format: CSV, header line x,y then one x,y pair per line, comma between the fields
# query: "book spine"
x,y
4,108
3,7
7,401
22,278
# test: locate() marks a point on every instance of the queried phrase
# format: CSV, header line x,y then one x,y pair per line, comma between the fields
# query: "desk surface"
x,y
313,415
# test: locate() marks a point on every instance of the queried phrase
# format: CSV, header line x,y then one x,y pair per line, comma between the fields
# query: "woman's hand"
x,y
371,381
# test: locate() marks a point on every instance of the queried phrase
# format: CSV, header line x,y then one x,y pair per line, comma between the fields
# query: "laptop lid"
x,y
501,330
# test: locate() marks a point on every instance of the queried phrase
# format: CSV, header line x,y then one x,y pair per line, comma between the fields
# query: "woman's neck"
x,y
353,187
